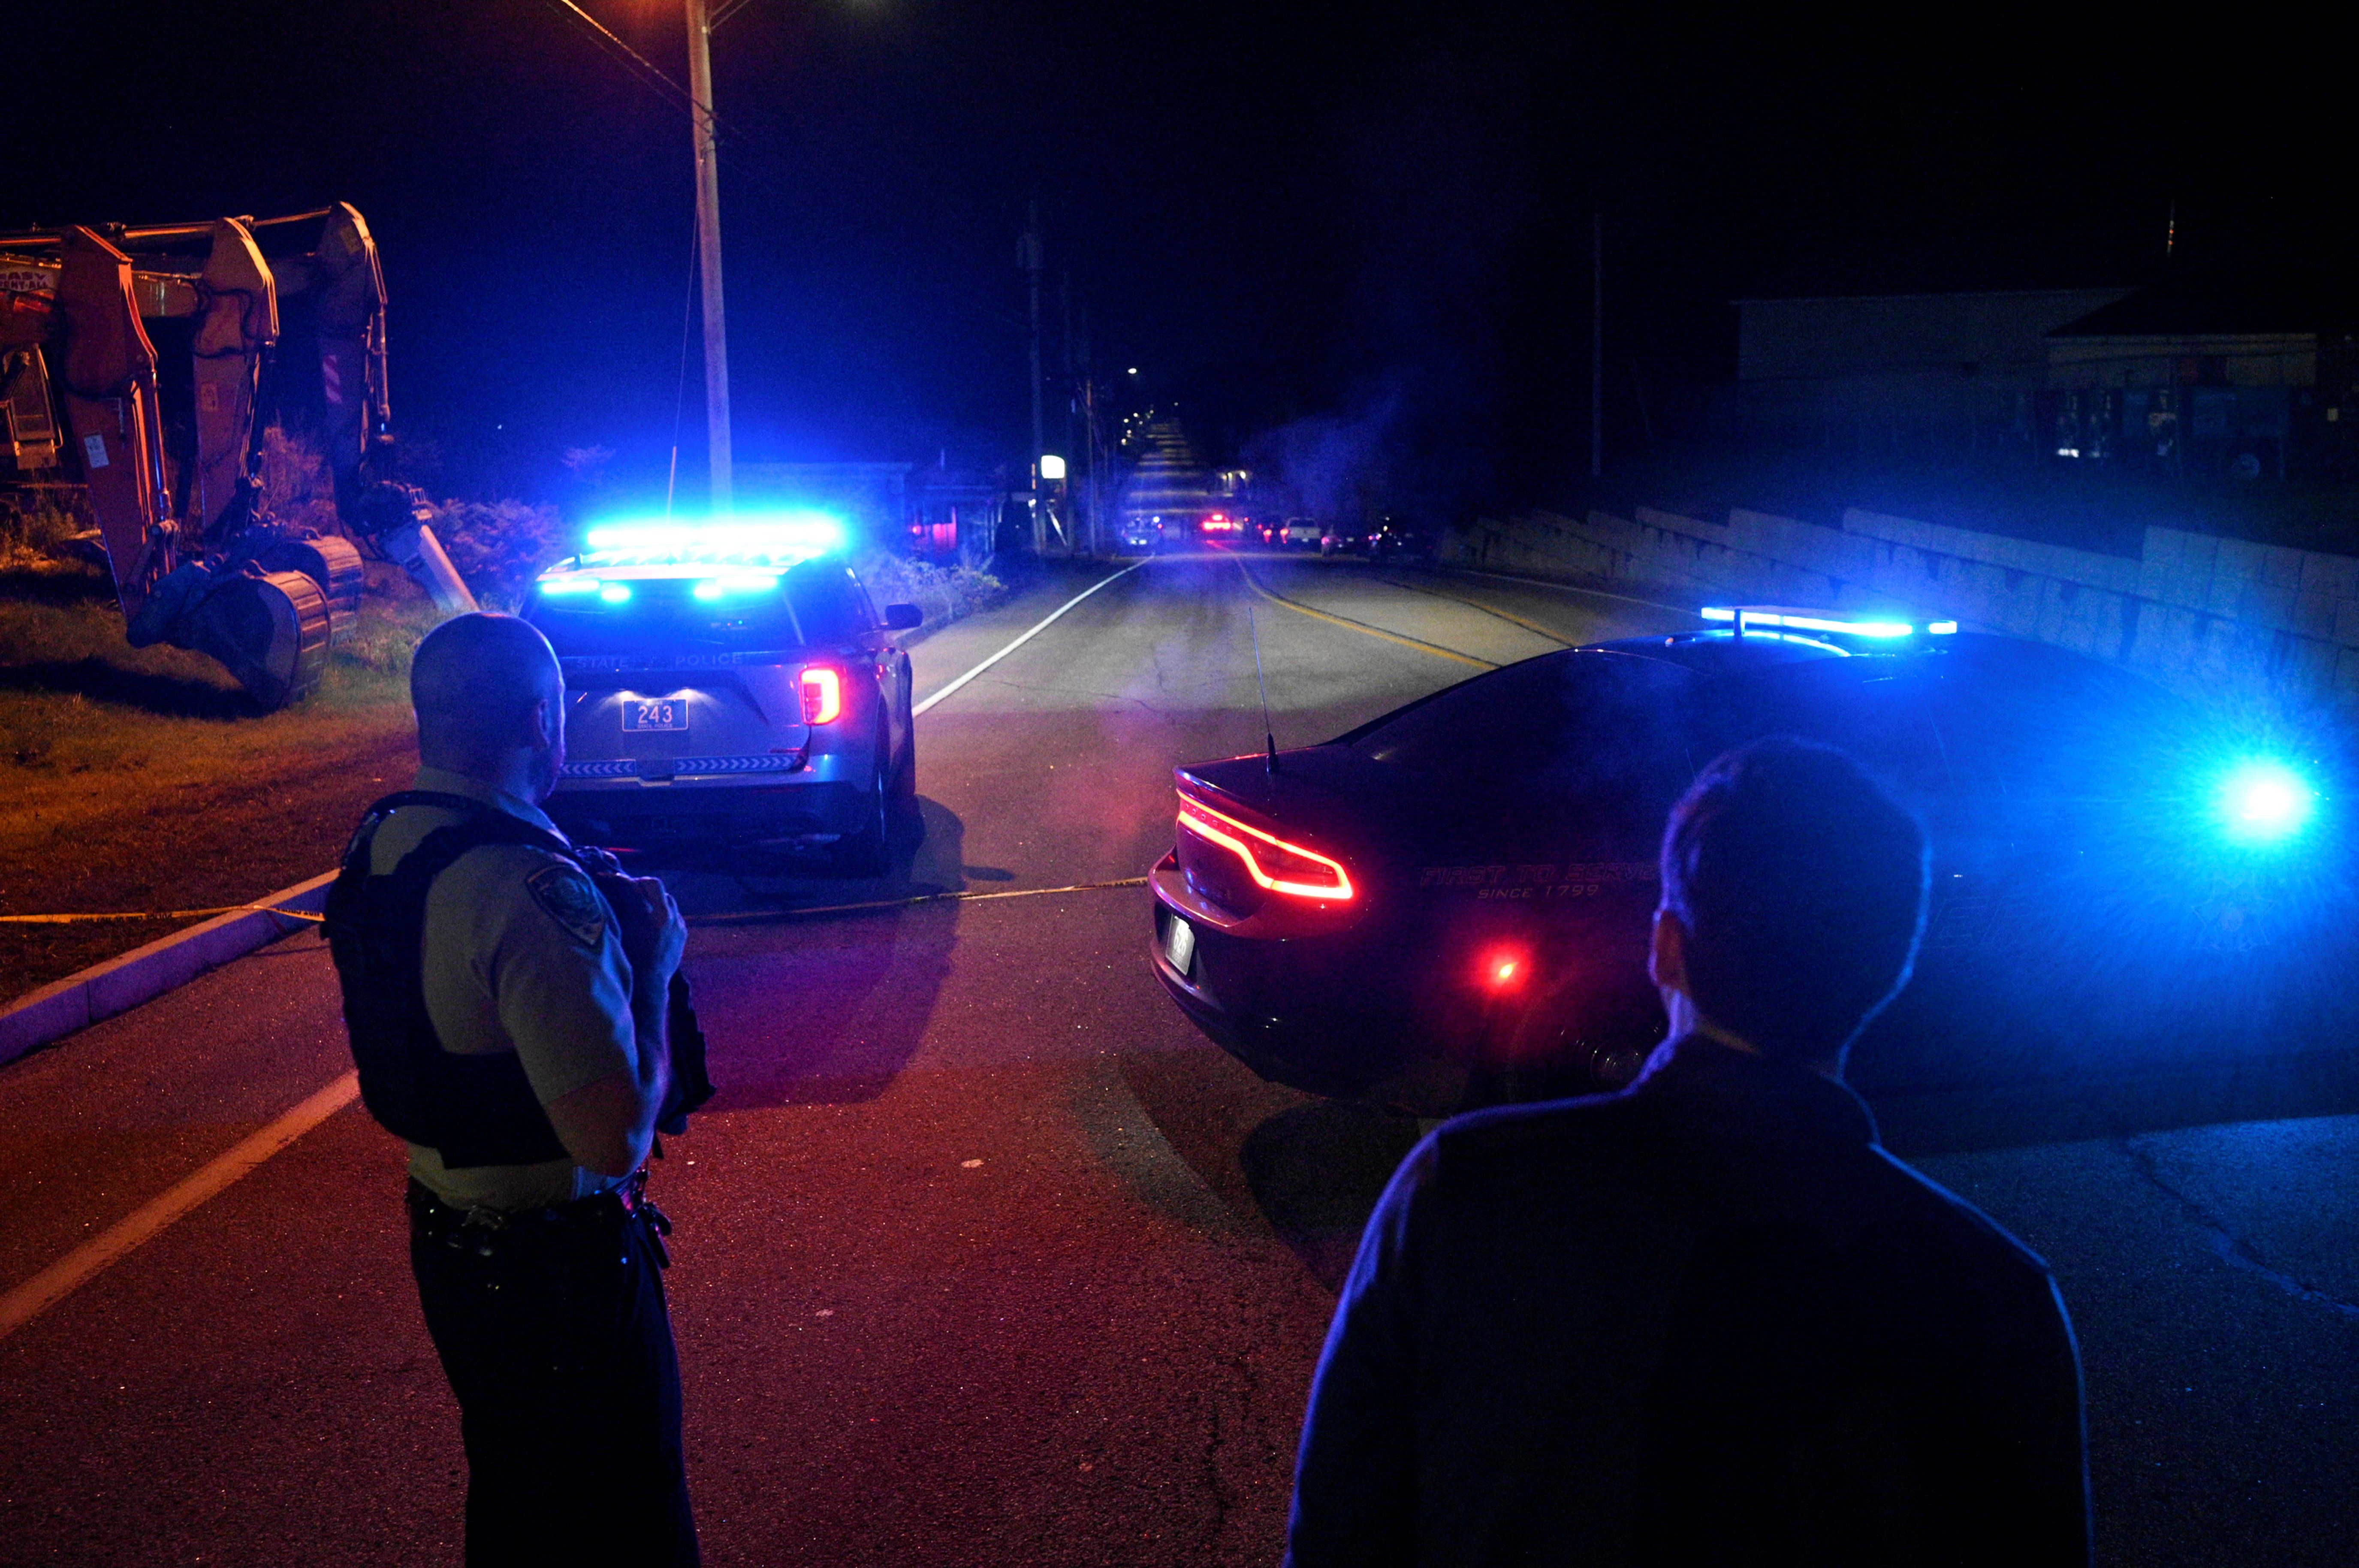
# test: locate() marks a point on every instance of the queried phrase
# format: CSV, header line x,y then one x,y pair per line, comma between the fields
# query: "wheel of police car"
x,y
905,776
868,853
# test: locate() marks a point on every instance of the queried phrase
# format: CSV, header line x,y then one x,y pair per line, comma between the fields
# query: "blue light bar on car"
x,y
553,587
1809,620
748,539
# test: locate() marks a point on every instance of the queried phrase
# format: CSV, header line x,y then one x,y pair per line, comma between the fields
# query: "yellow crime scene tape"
x,y
734,918
158,915
746,916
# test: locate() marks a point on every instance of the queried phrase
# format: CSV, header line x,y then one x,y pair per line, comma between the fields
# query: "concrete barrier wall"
x,y
2258,624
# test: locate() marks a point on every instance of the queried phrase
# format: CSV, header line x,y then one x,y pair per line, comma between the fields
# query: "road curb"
x,y
144,973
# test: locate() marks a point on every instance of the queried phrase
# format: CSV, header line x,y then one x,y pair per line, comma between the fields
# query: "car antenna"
x,y
1268,734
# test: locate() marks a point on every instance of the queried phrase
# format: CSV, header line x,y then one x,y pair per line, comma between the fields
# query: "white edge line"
x,y
1019,642
69,1273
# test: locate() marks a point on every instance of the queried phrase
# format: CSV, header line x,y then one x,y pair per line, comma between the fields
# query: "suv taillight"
x,y
822,695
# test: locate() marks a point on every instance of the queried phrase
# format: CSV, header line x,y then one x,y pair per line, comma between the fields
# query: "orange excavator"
x,y
278,320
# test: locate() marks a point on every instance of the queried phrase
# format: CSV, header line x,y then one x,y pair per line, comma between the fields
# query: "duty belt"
x,y
482,1230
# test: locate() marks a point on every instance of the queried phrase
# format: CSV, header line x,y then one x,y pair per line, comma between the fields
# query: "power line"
x,y
652,76
648,72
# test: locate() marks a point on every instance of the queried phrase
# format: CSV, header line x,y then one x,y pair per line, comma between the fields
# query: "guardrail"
x,y
2263,625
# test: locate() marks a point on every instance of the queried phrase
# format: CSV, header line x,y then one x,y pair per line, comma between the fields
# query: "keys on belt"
x,y
480,1230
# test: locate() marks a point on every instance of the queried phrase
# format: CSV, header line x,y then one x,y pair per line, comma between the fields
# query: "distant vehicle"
x,y
1221,526
1449,905
729,681
1142,533
1394,539
1298,533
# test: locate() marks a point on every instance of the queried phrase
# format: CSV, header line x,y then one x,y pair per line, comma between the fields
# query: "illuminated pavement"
x,y
984,1256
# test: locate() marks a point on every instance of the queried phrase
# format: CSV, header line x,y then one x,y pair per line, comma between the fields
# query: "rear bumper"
x,y
1316,1014
751,806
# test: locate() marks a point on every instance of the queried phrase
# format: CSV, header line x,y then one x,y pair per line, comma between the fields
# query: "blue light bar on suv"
x,y
1819,621
748,539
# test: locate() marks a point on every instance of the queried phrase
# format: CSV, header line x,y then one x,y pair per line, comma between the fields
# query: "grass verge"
x,y
141,779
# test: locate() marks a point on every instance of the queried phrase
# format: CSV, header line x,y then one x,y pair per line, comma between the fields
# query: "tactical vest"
x,y
475,1110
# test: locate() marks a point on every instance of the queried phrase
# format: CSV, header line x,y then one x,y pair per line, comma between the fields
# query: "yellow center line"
x,y
1364,627
69,1273
1487,609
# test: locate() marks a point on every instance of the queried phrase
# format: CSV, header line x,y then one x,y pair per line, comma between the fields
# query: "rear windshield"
x,y
829,603
1588,723
815,605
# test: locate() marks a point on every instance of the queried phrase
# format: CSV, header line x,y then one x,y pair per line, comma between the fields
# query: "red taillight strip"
x,y
822,692
1192,817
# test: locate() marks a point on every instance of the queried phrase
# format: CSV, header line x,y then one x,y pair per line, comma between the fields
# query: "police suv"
x,y
729,679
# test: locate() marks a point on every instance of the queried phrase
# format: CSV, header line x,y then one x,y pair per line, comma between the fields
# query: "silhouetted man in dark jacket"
x,y
1707,1320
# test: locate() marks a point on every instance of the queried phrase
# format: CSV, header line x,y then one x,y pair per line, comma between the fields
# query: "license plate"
x,y
1179,944
655,714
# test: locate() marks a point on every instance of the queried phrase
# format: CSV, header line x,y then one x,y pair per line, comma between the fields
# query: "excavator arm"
x,y
196,563
108,395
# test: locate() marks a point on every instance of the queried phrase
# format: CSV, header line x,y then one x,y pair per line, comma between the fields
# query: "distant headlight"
x,y
2263,801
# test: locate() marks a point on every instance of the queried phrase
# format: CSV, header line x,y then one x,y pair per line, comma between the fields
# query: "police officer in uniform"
x,y
507,1012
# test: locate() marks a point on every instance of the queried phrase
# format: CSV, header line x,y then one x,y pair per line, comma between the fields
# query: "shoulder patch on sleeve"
x,y
560,889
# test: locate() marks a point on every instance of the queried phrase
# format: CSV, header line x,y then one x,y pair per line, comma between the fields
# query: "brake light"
x,y
822,695
1274,863
1503,969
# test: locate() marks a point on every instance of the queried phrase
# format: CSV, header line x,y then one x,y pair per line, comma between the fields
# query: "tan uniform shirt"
x,y
515,959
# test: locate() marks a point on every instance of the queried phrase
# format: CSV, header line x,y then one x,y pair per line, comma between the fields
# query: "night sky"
x,y
1375,215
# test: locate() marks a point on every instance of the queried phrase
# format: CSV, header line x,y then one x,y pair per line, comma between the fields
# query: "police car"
x,y
1451,905
729,679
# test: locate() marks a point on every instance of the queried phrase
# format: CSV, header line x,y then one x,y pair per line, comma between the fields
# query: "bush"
x,y
39,536
943,594
499,547
385,636
297,488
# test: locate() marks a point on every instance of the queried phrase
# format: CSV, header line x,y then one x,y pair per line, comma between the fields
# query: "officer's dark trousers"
x,y
559,1347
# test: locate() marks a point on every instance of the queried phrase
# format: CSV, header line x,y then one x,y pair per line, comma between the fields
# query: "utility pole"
x,y
1082,522
1089,395
1032,270
1596,344
708,251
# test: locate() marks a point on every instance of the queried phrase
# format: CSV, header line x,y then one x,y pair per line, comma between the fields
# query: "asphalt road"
x,y
983,1256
